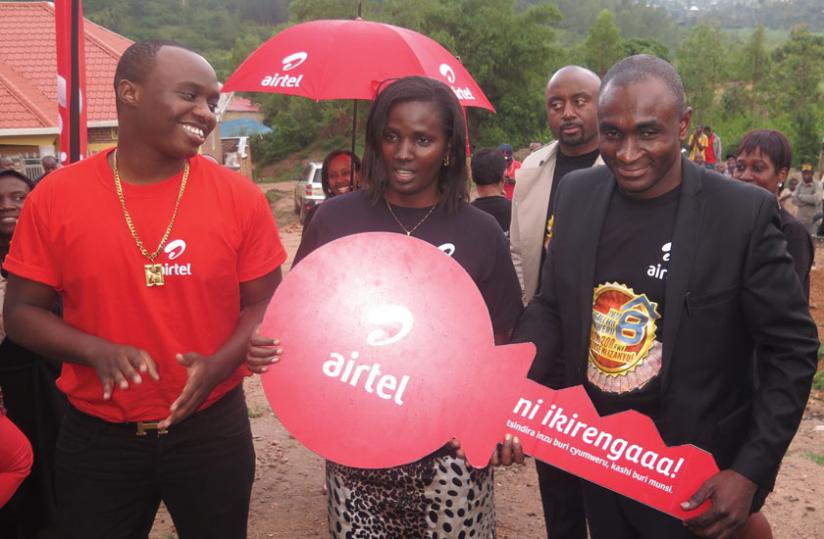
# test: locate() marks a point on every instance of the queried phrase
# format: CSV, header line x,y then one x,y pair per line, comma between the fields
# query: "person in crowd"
x,y
807,197
512,166
571,98
15,456
6,163
336,177
721,168
712,152
165,262
708,260
764,159
416,184
697,145
785,196
729,169
488,173
33,402
50,164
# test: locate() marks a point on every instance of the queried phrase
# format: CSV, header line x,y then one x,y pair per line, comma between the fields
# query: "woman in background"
x,y
339,174
32,399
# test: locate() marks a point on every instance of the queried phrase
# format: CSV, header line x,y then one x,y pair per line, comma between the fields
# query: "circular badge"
x,y
623,353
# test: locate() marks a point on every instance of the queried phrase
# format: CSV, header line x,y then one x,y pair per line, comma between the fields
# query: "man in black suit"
x,y
669,278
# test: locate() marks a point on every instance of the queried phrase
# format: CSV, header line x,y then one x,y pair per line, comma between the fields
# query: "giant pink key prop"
x,y
389,353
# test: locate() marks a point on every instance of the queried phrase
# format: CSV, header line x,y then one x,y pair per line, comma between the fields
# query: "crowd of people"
x,y
143,272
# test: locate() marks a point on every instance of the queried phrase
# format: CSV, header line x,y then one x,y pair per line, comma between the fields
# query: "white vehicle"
x,y
308,190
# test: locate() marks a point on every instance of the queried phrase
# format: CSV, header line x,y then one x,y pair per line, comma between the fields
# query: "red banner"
x,y
71,79
389,354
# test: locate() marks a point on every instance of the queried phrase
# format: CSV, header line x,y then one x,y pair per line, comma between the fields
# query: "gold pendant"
x,y
154,274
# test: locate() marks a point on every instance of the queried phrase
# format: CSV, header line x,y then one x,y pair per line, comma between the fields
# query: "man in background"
x,y
807,197
712,153
488,173
571,98
50,164
512,166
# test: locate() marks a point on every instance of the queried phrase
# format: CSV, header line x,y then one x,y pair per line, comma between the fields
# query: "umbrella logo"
x,y
447,72
284,80
294,60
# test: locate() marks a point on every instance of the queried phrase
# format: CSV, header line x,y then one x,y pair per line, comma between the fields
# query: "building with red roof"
x,y
29,125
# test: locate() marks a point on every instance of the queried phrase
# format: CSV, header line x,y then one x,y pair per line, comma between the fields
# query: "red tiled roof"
x,y
28,67
241,104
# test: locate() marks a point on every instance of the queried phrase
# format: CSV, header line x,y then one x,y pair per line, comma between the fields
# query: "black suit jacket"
x,y
732,295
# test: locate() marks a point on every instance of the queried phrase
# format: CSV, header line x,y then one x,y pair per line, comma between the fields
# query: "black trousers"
x,y
563,503
110,481
612,516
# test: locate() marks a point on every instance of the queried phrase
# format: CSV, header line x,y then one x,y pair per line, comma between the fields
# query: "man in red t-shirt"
x,y
165,262
512,166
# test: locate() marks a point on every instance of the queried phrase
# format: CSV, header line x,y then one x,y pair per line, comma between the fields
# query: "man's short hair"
x,y
644,67
10,172
768,142
488,166
139,59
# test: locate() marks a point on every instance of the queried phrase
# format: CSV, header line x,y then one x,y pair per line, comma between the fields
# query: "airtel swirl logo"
x,y
284,80
463,94
294,60
393,322
175,248
447,72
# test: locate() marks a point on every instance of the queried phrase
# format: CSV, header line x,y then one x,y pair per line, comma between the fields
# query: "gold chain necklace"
x,y
153,272
409,231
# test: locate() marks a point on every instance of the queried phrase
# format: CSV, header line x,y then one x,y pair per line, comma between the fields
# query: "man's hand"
x,y
731,494
118,365
203,377
262,352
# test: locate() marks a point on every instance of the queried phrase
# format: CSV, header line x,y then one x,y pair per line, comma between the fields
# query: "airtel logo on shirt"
x,y
174,249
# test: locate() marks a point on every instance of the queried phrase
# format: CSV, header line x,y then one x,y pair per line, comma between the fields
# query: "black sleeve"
x,y
309,239
786,345
308,219
800,247
500,288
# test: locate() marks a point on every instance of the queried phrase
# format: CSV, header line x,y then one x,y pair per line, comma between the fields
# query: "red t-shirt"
x,y
509,186
709,152
73,237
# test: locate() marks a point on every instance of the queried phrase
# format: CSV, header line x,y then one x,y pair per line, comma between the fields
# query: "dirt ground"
x,y
288,501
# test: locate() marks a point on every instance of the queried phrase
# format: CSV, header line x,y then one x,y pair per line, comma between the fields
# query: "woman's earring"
x,y
446,160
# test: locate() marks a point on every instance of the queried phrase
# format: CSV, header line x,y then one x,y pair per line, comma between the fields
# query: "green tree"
x,y
798,69
603,46
635,46
700,63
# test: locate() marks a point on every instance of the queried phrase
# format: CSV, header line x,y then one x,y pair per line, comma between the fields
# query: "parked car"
x,y
308,190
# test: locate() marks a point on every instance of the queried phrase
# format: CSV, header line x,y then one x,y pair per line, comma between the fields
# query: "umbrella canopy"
x,y
349,59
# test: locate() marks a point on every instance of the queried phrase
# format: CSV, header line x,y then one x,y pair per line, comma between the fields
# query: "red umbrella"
x,y
349,59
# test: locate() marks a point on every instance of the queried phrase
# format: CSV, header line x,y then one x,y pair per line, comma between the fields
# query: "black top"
x,y
473,238
800,247
498,207
633,257
564,164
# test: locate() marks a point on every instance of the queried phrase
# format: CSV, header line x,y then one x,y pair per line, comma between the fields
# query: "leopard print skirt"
x,y
436,497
